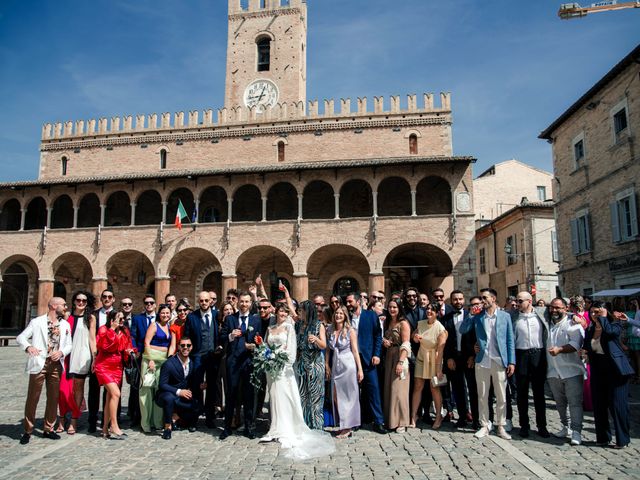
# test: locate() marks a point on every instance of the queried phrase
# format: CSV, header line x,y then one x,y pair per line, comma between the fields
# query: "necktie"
x,y
243,326
149,319
206,320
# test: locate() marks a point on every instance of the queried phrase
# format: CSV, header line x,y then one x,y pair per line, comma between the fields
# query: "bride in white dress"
x,y
287,422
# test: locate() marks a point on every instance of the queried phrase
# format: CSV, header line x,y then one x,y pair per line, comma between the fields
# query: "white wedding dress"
x,y
287,422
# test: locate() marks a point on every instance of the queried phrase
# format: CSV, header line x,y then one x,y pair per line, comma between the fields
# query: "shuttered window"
x,y
581,233
624,216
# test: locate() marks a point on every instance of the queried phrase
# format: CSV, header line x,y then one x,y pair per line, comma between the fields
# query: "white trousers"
x,y
484,376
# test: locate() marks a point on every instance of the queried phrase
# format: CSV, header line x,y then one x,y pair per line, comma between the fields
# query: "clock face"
x,y
261,94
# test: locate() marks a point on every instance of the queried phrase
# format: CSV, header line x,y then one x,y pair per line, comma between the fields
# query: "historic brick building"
x,y
597,172
364,196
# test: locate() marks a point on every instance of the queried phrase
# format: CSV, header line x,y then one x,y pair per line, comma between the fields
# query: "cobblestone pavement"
x,y
419,453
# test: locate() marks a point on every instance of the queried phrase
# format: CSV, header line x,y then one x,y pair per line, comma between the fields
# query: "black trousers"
x,y
207,366
610,393
463,382
235,382
531,370
133,407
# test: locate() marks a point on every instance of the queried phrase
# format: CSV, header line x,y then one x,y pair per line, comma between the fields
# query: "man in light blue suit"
x,y
495,359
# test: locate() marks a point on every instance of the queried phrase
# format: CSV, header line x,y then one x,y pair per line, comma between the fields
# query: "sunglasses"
x,y
149,303
107,296
485,297
184,345
439,297
127,304
521,300
181,310
263,308
376,297
81,300
410,295
214,299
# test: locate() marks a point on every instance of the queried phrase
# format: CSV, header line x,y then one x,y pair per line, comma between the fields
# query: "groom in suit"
x,y
369,344
238,335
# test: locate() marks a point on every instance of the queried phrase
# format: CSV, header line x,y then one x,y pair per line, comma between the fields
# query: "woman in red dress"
x,y
114,345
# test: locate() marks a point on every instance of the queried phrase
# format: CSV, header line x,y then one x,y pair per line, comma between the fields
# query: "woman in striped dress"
x,y
309,366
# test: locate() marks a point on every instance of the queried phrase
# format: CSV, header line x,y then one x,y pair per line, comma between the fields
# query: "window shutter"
x,y
634,214
587,237
575,241
615,222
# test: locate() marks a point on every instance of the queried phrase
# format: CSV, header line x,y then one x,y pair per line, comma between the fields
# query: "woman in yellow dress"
x,y
431,335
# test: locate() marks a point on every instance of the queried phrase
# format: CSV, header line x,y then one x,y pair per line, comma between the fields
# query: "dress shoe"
x,y
210,423
379,428
543,432
166,434
461,423
192,428
24,439
524,432
475,425
92,428
51,435
250,434
225,434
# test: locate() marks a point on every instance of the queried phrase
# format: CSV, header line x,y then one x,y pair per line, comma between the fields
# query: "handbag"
x,y
436,382
149,379
132,371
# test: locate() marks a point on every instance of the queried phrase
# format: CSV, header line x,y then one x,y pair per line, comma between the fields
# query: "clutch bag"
x,y
436,382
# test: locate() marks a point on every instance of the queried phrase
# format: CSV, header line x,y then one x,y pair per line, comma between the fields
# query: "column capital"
x,y
46,280
229,275
300,274
376,274
99,279
162,277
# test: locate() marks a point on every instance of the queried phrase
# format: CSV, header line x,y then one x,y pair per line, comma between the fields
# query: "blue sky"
x,y
512,67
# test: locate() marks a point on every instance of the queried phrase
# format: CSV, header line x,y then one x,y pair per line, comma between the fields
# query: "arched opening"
x,y
213,205
36,217
356,199
64,163
212,282
329,264
394,197
73,271
62,215
419,265
149,208
413,144
247,204
264,53
270,263
89,211
318,201
163,159
345,286
433,196
282,202
19,293
185,196
118,211
281,147
10,217
188,270
130,273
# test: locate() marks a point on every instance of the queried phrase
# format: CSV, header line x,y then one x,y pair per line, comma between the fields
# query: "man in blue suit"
x,y
177,389
202,328
238,334
495,359
369,344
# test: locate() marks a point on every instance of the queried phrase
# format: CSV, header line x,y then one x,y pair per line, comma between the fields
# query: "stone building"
x,y
327,198
517,251
503,185
597,172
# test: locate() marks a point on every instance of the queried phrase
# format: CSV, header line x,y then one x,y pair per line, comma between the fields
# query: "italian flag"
x,y
180,214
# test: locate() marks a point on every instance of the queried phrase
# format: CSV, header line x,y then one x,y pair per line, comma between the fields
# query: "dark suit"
x,y
369,346
610,373
531,370
239,367
205,357
462,372
171,379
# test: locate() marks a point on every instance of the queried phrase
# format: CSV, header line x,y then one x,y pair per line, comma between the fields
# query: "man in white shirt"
x,y
530,330
565,372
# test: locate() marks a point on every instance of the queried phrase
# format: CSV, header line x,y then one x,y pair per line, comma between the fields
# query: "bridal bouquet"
x,y
267,360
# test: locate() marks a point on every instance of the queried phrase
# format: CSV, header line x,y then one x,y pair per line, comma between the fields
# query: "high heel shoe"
x,y
437,423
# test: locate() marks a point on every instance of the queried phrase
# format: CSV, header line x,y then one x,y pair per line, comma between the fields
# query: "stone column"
x,y
103,209
228,281
413,203
197,205
75,216
49,212
23,217
376,281
45,292
264,209
336,199
300,206
133,214
375,203
98,285
229,209
300,287
163,287
164,212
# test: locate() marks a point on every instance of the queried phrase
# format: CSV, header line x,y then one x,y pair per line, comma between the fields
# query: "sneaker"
x,y
483,432
502,433
508,426
490,426
564,432
576,438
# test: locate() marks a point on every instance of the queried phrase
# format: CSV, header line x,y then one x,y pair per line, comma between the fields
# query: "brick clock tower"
x,y
266,53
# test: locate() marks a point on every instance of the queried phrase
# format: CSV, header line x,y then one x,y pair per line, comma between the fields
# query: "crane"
x,y
574,10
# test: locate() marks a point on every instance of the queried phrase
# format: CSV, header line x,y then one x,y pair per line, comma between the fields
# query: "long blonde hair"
x,y
347,322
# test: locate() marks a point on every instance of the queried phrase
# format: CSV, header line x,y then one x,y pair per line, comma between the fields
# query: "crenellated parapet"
x,y
237,116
